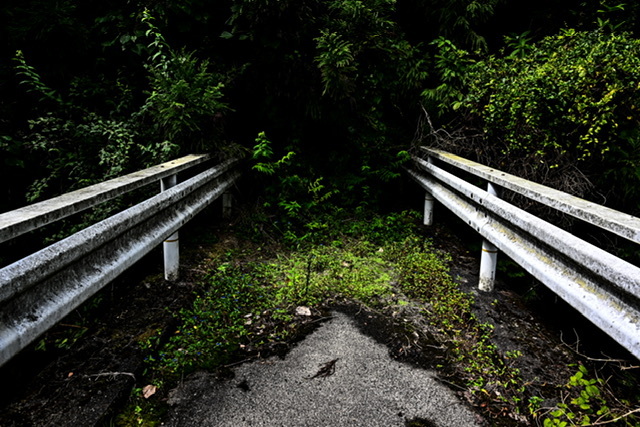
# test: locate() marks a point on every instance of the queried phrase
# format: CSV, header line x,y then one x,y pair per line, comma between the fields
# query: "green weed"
x,y
356,270
219,321
251,305
425,275
584,403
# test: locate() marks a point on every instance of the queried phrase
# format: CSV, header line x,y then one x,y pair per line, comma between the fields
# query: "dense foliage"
x,y
327,98
569,102
90,93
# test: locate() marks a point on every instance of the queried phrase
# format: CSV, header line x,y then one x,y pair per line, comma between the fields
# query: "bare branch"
x,y
600,423
112,374
608,360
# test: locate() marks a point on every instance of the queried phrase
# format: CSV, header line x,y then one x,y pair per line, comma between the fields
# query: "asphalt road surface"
x,y
335,377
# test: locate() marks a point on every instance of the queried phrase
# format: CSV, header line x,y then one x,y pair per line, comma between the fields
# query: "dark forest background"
x,y
328,96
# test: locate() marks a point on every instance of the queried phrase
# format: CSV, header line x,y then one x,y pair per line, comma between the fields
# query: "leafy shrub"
x,y
458,20
184,98
571,100
583,405
292,193
452,64
79,144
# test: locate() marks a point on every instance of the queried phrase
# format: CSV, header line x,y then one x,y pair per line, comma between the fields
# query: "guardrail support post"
x,y
488,257
429,202
227,205
171,246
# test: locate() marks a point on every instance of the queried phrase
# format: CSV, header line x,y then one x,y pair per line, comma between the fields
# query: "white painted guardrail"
x,y
39,290
601,286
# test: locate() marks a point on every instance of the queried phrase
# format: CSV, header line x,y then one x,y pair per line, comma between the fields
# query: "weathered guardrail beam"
x,y
604,288
601,263
23,220
21,275
39,290
619,223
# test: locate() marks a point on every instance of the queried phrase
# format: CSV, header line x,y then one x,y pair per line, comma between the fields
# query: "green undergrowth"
x,y
588,399
250,306
490,375
245,305
479,366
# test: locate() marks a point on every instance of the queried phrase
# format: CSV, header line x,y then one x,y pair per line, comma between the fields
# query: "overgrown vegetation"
x,y
329,96
249,308
448,308
565,109
256,303
251,305
79,143
337,82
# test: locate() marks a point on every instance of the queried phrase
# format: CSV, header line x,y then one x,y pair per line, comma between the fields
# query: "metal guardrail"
x,y
604,288
39,290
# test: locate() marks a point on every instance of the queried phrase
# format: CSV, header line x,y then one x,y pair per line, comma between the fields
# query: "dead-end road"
x,y
336,376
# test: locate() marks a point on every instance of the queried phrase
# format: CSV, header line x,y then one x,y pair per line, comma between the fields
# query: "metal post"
x,y
488,257
429,202
227,205
171,246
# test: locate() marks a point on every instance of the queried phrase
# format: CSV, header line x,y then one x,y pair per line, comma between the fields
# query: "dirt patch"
x,y
82,383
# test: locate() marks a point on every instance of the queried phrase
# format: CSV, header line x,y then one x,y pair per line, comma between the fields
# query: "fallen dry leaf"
x,y
303,311
148,391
